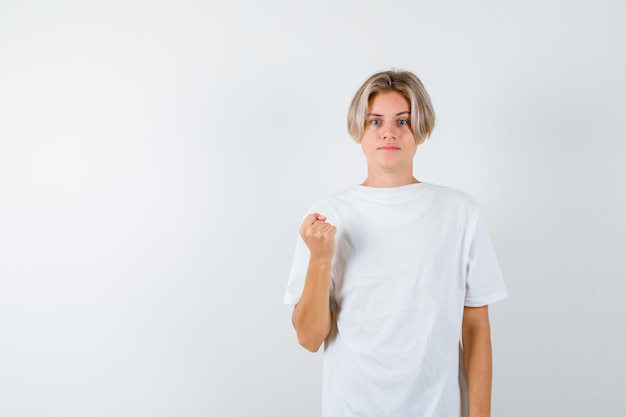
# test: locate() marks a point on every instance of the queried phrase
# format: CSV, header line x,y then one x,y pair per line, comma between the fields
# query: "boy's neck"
x,y
388,180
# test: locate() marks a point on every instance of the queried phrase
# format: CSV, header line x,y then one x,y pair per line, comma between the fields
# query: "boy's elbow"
x,y
311,338
312,344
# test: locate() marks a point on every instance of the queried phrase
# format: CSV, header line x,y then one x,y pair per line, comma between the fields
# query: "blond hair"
x,y
405,83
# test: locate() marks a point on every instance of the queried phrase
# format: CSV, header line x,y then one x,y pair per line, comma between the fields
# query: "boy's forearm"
x,y
477,360
311,316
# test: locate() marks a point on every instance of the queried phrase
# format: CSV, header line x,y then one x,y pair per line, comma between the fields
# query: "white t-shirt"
x,y
408,260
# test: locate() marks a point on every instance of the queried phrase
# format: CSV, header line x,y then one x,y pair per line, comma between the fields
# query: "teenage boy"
x,y
394,275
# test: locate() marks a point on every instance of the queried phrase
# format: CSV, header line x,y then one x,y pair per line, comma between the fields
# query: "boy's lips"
x,y
389,148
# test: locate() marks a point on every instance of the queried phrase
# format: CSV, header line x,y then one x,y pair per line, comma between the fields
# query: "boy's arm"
x,y
311,316
477,359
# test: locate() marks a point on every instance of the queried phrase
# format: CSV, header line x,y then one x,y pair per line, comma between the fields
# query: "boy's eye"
x,y
375,122
403,122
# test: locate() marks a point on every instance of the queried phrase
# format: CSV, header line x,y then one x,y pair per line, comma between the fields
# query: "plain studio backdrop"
x,y
156,159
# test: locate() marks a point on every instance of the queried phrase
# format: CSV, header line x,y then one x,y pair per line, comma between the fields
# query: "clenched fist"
x,y
319,236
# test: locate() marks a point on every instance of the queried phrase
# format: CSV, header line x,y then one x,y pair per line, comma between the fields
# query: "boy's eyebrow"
x,y
380,115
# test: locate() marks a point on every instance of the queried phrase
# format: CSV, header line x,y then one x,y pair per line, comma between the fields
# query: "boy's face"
x,y
388,141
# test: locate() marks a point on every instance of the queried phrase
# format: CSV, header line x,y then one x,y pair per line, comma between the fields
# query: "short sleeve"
x,y
484,283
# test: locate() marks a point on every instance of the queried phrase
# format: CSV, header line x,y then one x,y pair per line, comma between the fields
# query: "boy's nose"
x,y
389,134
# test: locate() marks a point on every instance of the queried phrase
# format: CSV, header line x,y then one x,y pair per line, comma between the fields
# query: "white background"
x,y
156,159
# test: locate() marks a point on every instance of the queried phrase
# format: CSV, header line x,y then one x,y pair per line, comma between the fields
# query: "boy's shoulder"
x,y
452,193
